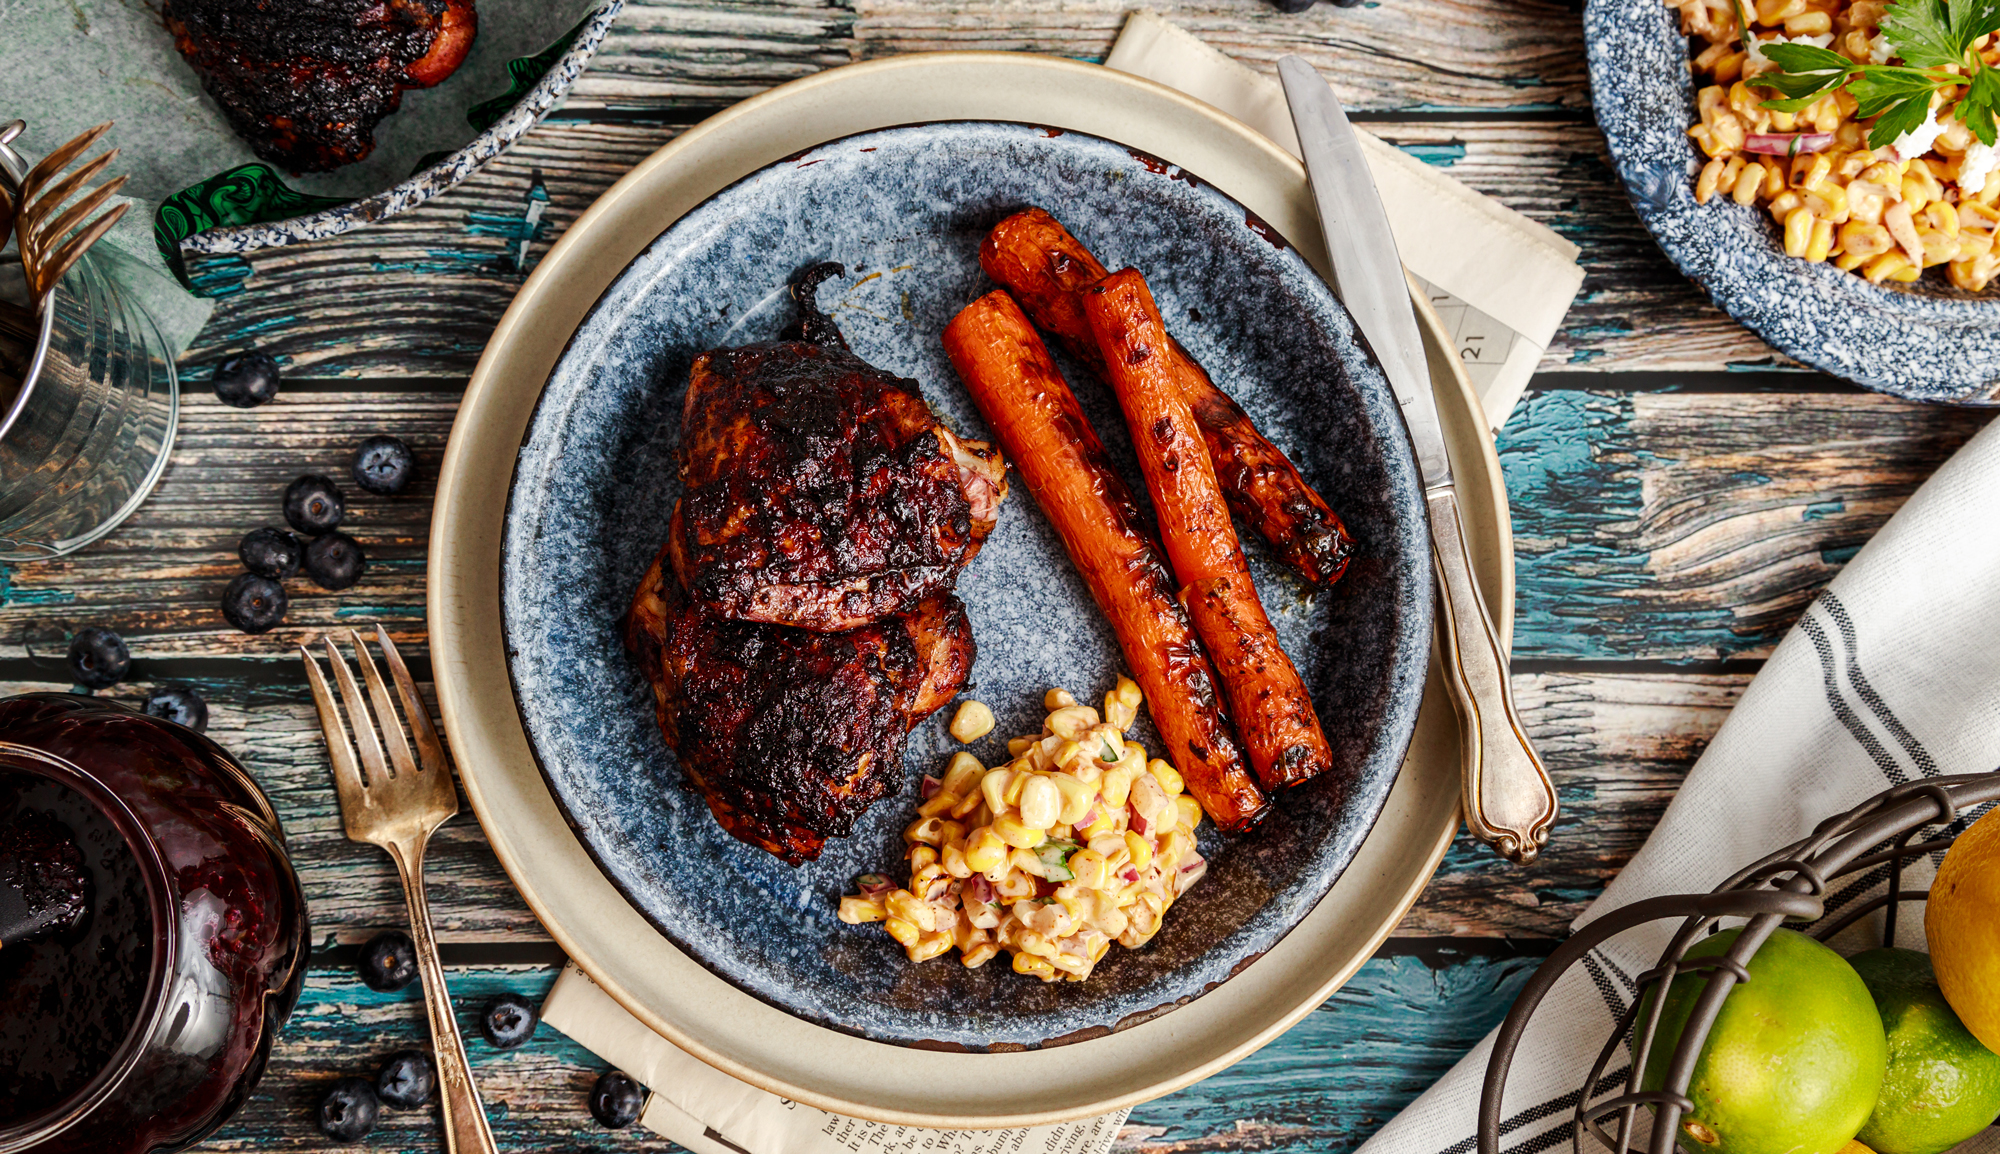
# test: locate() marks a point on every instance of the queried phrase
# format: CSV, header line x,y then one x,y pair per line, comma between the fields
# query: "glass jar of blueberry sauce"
x,y
142,1022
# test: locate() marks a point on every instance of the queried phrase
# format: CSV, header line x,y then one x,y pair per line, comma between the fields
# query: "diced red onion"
x,y
1129,873
874,885
980,888
1787,143
1089,817
931,787
1192,871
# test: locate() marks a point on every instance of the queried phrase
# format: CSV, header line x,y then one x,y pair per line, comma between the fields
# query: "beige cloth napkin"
x,y
1500,280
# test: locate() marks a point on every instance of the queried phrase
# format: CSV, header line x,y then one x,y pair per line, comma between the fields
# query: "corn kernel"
x,y
1011,796
1077,797
1015,886
905,906
984,849
1121,703
1091,870
972,721
1141,849
1015,833
1174,845
929,946
939,804
979,954
1057,698
954,863
1168,777
962,774
1116,786
993,788
1026,963
1072,721
927,830
1189,811
921,858
1072,755
905,933
856,910
1016,746
1035,943
1798,231
1041,803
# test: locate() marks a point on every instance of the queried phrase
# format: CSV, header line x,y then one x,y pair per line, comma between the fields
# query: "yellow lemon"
x,y
1962,923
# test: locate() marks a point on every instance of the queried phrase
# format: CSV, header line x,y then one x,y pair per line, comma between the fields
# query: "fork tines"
x,y
375,712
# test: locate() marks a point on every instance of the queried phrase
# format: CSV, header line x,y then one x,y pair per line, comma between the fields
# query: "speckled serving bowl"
x,y
1926,341
905,209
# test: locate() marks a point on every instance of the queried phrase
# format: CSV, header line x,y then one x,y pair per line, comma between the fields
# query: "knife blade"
x,y
1510,802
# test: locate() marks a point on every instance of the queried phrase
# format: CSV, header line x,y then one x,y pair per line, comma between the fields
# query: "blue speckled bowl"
x,y
1926,341
905,209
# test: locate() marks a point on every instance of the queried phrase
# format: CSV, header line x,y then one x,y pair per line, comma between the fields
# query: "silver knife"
x,y
1510,803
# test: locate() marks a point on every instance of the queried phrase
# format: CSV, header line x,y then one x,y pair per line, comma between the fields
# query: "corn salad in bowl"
x,y
1925,199
1079,841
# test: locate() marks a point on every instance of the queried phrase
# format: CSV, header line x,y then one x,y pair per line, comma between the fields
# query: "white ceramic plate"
x,y
607,937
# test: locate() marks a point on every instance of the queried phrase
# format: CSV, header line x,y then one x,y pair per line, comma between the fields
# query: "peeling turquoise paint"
x,y
220,276
1572,474
28,598
1839,554
1335,1078
1820,510
1436,155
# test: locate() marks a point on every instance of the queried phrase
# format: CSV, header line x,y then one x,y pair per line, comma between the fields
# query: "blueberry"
x,y
335,561
98,658
313,504
271,552
348,1111
508,1021
254,604
247,380
616,1099
408,1080
179,704
384,465
389,961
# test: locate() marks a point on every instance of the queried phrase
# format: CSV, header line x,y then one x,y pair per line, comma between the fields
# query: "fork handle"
x,y
465,1129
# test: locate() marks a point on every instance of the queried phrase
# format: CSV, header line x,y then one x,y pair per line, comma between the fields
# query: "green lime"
x,y
1794,1060
1943,1086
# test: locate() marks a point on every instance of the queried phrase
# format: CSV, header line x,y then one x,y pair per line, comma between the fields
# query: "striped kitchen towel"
x,y
1891,675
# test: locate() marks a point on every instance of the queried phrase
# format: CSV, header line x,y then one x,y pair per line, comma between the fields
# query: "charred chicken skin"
x,y
820,491
791,734
799,620
305,82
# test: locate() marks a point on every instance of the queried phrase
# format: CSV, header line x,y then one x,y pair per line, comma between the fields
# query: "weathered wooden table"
x,y
1679,492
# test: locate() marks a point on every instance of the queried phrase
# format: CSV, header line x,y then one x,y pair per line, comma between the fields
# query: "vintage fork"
x,y
397,804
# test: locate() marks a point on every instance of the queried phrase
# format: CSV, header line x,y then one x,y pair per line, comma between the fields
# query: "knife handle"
x,y
1510,803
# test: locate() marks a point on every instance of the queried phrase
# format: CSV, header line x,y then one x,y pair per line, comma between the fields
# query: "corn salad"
x,y
1077,842
1886,213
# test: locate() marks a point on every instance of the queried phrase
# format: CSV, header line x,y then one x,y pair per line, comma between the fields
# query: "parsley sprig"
x,y
1930,36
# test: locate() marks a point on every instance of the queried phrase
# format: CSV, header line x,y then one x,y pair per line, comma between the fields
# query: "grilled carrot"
x,y
1044,432
1273,712
1044,266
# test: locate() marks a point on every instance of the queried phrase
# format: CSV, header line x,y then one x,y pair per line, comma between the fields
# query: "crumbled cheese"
x,y
1823,40
1879,50
1978,163
1918,140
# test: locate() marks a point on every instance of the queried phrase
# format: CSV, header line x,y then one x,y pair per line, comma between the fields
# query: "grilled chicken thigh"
x,y
820,491
799,620
305,82
791,734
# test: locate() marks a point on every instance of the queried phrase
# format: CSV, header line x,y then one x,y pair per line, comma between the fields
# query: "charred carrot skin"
x,y
1036,258
1273,712
1042,429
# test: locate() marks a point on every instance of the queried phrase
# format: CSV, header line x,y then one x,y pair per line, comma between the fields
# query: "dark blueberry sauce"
x,y
68,1003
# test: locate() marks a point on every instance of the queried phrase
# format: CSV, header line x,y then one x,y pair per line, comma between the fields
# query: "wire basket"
x,y
1789,885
